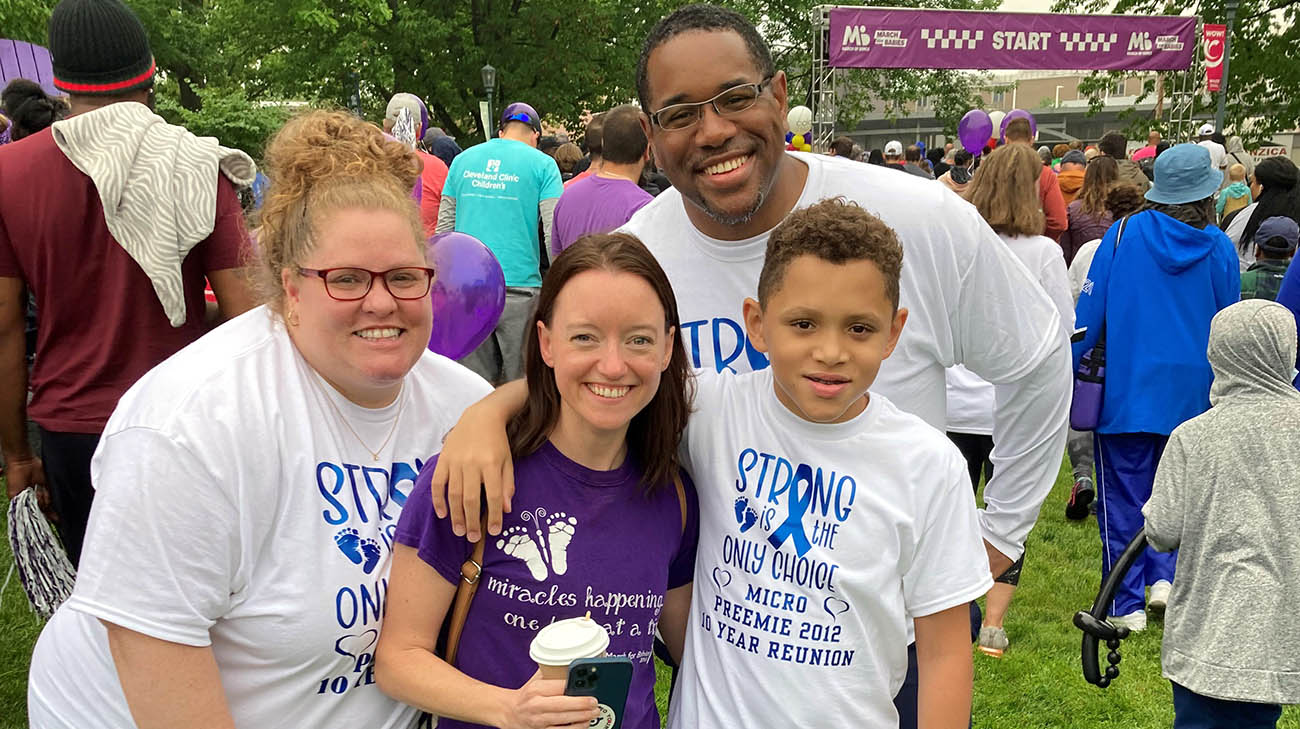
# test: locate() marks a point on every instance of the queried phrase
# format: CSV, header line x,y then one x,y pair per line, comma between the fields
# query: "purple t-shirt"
x,y
594,204
577,540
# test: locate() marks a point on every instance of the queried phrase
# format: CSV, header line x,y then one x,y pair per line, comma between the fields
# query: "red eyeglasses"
x,y
407,283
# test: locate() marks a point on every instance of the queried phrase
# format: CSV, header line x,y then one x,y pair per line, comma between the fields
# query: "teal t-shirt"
x,y
498,186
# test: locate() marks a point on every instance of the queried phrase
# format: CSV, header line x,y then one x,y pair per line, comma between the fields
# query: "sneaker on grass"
x,y
1136,622
1081,495
993,641
1159,599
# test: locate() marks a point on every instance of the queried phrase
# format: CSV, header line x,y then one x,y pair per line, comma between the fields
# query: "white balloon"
x,y
799,120
997,117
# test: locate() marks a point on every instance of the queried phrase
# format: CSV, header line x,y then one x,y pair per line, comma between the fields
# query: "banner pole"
x,y
1227,55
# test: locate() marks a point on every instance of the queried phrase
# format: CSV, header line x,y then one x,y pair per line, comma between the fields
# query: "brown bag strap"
x,y
470,572
681,497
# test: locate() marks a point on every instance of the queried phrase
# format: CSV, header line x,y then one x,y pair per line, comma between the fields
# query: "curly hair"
x,y
836,231
318,163
29,108
1005,190
1124,199
1102,174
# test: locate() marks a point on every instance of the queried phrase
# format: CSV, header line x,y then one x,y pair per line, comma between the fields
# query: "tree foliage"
x,y
222,62
1264,68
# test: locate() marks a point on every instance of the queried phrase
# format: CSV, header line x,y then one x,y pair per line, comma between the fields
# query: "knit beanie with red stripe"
x,y
99,48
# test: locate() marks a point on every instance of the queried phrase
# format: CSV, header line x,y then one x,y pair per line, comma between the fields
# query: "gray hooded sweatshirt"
x,y
1227,496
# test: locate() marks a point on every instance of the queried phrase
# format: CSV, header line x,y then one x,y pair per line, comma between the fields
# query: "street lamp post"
x,y
489,85
1231,6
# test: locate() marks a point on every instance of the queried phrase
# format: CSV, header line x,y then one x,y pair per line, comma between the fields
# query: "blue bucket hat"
x,y
1184,174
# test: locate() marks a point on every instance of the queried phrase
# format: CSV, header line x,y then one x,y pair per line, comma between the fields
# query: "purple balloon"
x,y
1018,114
469,293
974,130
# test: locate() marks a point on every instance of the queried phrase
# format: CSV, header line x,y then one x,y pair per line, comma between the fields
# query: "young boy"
x,y
1224,496
1236,195
1275,243
830,520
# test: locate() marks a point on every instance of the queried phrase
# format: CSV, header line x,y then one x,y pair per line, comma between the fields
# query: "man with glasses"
x,y
499,192
715,108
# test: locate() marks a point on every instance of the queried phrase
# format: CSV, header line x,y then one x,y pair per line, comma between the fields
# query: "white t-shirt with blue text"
x,y
235,509
818,545
969,301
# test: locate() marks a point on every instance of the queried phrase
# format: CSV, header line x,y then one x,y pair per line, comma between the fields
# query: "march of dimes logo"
x,y
361,505
776,596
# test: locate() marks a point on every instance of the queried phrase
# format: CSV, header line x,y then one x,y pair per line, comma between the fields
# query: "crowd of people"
x,y
745,399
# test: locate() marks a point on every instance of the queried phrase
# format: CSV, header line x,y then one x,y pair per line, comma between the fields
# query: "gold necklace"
x,y
374,454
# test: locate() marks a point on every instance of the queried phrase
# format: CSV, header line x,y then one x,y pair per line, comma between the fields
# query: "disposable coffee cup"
x,y
565,641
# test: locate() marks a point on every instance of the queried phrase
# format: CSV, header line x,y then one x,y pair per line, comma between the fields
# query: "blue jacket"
x,y
1157,293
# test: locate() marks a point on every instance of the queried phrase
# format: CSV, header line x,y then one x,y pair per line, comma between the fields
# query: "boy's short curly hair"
x,y
837,231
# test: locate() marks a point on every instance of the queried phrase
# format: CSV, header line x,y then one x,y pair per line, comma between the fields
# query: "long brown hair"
x,y
655,432
1005,190
1103,172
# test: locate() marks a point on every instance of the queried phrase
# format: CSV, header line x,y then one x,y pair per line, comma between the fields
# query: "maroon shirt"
x,y
100,325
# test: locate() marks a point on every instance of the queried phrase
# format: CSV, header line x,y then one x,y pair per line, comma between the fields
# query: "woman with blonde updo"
x,y
236,564
1005,192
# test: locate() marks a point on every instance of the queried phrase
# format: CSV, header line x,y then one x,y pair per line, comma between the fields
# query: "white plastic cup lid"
x,y
565,641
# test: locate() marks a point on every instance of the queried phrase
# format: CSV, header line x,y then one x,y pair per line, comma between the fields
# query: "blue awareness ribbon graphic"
x,y
797,506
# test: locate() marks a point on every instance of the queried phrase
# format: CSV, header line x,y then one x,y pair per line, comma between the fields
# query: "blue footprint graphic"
x,y
349,543
370,550
746,517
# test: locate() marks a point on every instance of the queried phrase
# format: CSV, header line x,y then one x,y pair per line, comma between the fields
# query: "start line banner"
x,y
906,38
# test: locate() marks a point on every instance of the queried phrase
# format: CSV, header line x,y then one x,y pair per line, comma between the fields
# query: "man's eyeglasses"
x,y
351,284
732,101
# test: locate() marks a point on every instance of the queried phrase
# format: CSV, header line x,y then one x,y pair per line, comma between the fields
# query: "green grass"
x,y
1037,684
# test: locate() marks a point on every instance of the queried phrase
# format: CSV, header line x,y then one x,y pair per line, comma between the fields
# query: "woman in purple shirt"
x,y
597,522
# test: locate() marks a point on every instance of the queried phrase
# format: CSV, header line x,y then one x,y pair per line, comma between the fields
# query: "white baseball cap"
x,y
894,148
1206,129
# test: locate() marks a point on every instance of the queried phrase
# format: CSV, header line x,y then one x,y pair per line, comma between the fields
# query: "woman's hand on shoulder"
x,y
475,459
541,704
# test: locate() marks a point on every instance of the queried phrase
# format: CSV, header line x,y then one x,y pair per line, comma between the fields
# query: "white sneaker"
x,y
1159,599
1136,622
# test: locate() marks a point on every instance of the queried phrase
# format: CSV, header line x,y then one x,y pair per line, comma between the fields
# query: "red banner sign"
x,y
1215,38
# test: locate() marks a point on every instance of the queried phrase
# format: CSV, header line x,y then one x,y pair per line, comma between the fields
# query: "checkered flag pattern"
x,y
951,38
1091,42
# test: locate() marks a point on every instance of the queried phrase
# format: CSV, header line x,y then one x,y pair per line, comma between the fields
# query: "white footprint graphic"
x,y
516,543
559,532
